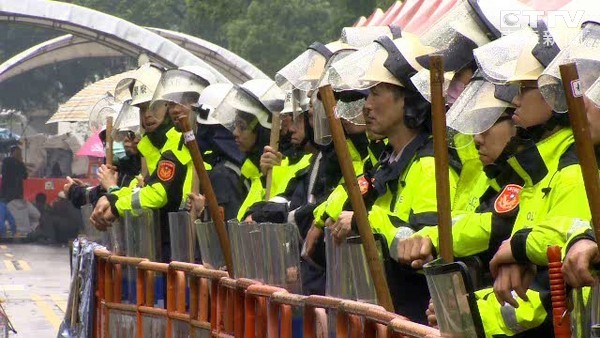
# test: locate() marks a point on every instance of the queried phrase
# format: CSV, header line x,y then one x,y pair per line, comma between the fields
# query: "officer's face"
x,y
151,119
244,135
383,110
491,142
532,109
130,145
297,130
593,116
178,112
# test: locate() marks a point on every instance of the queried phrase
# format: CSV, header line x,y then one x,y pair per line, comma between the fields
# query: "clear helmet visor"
x,y
213,105
104,108
339,55
584,50
350,107
362,36
217,102
243,101
127,122
181,87
360,70
139,88
296,102
455,35
593,93
322,131
422,81
474,112
303,72
267,92
368,66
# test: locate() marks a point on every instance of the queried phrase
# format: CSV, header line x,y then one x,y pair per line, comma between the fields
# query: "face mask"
x,y
118,150
454,91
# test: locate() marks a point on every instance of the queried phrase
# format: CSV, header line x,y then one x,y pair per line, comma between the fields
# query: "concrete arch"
x,y
102,28
68,47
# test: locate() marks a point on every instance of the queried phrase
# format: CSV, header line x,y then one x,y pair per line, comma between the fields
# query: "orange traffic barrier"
x,y
257,311
151,321
404,328
120,319
287,302
316,320
223,307
178,318
205,287
100,292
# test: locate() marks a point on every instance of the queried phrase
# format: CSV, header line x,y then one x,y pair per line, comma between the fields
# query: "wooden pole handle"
x,y
583,140
358,204
273,143
211,199
109,141
440,151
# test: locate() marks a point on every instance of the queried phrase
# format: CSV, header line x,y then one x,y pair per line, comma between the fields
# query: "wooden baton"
x,y
109,141
273,143
209,194
583,140
440,151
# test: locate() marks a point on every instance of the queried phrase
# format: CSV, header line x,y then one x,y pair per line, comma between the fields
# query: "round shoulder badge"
x,y
166,170
508,199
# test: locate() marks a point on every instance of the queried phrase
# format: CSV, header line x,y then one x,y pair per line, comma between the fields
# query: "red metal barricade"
x,y
120,320
219,306
151,320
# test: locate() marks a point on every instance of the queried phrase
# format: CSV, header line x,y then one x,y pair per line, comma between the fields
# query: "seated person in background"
x,y
27,217
6,216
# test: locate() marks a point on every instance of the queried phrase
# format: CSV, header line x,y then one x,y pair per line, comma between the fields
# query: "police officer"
x,y
482,219
401,195
255,103
220,150
167,188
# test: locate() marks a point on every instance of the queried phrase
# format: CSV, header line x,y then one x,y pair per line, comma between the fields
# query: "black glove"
x,y
269,212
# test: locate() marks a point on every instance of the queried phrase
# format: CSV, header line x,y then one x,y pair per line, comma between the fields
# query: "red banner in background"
x,y
49,186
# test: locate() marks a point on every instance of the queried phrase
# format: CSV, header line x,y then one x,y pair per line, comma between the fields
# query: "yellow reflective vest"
x,y
410,201
333,206
282,175
170,178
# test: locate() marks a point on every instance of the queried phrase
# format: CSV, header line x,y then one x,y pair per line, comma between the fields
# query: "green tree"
x,y
208,18
272,33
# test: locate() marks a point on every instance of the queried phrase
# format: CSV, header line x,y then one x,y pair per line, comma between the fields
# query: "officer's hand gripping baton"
x,y
356,199
440,151
209,194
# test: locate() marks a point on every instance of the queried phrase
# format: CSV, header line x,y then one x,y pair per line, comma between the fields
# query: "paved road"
x,y
34,284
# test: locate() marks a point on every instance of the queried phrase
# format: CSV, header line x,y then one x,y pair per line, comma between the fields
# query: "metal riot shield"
x,y
361,276
118,244
90,231
182,236
142,235
595,308
581,312
281,250
339,274
246,247
210,248
452,294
